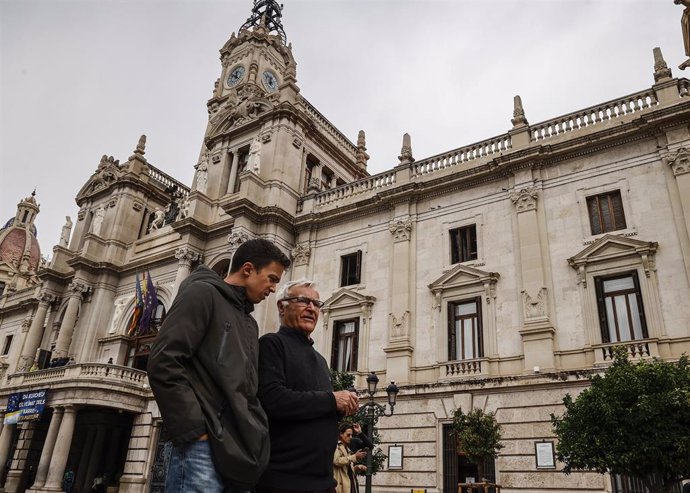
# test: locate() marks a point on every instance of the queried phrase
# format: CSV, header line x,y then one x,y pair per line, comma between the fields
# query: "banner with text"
x,y
25,406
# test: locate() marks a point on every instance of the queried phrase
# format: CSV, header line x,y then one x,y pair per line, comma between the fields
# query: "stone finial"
x,y
518,119
661,70
406,150
361,154
141,146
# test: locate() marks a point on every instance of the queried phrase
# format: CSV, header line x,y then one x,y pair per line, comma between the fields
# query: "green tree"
x,y
342,380
633,420
478,435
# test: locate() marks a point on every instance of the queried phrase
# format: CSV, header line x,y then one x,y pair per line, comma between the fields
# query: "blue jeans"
x,y
191,470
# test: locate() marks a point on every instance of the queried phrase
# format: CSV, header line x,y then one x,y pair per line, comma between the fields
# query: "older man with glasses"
x,y
296,392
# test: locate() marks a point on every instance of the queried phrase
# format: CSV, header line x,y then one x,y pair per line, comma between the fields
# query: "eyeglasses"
x,y
304,301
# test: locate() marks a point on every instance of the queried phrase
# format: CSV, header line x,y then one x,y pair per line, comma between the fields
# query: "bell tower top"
x,y
266,14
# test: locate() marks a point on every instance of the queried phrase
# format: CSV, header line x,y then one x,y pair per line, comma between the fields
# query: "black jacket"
x,y
203,373
296,392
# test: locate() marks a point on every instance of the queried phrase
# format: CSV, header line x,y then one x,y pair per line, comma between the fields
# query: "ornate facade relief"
x,y
400,229
399,325
679,161
301,253
202,174
236,238
66,231
525,199
534,309
254,158
76,289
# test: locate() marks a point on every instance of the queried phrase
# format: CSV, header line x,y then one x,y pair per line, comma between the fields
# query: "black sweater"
x,y
296,392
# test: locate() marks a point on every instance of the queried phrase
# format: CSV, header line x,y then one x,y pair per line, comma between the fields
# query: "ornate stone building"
x,y
496,275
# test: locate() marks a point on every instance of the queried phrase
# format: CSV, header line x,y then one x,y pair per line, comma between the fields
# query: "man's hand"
x,y
361,468
346,402
360,454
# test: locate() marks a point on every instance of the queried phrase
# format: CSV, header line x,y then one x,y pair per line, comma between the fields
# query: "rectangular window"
x,y
8,344
463,244
345,342
621,313
606,212
351,268
465,330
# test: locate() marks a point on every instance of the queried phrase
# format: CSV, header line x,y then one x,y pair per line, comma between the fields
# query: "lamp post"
x,y
370,412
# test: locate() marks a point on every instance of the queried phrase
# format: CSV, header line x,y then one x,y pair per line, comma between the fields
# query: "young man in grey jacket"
x,y
203,370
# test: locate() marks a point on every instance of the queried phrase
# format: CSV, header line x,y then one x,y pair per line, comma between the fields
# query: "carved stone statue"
x,y
254,158
184,209
66,231
202,174
98,220
158,220
685,25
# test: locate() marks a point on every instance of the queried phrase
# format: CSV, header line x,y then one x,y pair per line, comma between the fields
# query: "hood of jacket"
x,y
237,295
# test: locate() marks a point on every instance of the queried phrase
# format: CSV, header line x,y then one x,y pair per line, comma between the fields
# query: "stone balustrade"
x,y
594,115
464,154
166,180
461,368
635,349
371,183
97,372
330,129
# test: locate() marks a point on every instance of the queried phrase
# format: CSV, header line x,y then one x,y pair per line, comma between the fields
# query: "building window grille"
x,y
463,244
465,330
345,343
621,312
622,483
606,212
351,268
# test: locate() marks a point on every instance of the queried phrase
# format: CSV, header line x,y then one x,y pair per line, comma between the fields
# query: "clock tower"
x,y
265,146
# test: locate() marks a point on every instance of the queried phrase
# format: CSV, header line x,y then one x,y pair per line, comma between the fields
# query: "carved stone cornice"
x,y
45,298
525,199
679,161
301,253
400,229
187,256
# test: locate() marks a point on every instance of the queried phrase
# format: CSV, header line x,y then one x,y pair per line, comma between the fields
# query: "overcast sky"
x,y
79,79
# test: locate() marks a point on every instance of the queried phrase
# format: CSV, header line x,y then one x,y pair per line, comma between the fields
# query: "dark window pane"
x,y
606,212
463,244
350,268
621,313
465,339
345,345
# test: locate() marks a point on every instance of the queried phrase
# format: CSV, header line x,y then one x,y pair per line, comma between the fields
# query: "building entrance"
x,y
457,468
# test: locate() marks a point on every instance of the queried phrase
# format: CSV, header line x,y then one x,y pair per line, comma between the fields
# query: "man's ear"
x,y
247,269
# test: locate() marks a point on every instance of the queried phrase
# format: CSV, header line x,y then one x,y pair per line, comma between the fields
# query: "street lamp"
x,y
370,412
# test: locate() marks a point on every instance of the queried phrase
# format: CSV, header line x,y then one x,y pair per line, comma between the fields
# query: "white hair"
x,y
284,291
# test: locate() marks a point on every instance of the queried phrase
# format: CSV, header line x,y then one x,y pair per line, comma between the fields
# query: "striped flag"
x,y
138,307
150,303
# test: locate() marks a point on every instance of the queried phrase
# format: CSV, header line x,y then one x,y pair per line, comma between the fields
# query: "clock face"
x,y
236,75
270,81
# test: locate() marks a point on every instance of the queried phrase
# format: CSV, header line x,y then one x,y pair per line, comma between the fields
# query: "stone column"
x,y
75,291
399,349
679,163
5,442
48,446
33,338
233,171
185,258
56,470
537,331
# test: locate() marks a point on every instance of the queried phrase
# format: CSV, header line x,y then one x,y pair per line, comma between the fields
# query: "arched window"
x,y
222,268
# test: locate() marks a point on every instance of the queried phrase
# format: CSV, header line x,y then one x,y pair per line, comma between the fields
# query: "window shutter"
x,y
334,347
594,219
618,213
355,346
454,246
640,306
451,332
480,328
603,321
358,272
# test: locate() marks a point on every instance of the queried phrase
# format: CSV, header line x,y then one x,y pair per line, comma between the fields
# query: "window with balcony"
x,y
606,212
621,312
351,268
465,330
345,343
463,244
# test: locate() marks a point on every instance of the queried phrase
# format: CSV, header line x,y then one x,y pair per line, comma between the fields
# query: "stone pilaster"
x,y
139,455
400,348
75,291
536,331
679,161
300,259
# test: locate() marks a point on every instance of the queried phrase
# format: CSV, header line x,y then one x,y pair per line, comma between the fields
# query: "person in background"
x,y
345,465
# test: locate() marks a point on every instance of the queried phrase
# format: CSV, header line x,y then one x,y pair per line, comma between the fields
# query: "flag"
x,y
150,303
138,306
